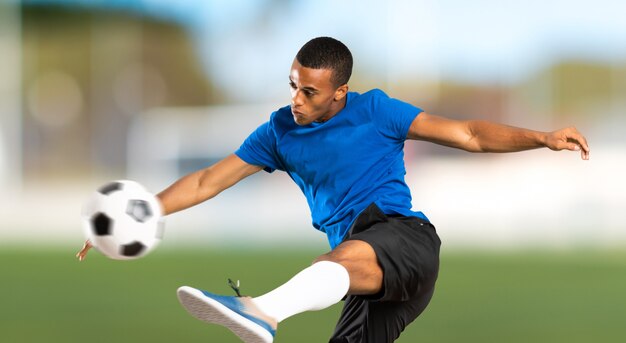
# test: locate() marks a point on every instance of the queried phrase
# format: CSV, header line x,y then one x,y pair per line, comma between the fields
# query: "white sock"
x,y
315,288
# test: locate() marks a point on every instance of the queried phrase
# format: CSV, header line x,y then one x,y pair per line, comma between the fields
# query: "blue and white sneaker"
x,y
245,321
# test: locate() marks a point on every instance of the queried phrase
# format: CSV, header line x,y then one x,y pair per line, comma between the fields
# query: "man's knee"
x,y
359,259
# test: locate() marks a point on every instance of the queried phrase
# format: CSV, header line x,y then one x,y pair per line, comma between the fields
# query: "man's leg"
x,y
363,319
351,268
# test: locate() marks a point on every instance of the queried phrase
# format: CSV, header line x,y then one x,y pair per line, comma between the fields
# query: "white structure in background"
x,y
529,199
161,141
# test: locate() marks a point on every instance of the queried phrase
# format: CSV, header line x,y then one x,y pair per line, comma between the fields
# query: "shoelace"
x,y
234,286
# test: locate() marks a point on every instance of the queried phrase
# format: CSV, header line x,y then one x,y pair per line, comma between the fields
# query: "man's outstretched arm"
x,y
204,184
484,136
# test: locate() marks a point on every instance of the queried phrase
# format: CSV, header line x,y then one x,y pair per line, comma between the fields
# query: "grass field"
x,y
47,296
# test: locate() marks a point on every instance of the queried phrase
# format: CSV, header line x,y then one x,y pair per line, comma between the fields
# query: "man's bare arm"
x,y
204,184
484,136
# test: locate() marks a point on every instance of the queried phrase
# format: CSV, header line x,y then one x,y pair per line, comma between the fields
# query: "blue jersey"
x,y
344,164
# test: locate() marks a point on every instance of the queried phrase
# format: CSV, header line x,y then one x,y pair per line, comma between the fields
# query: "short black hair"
x,y
327,53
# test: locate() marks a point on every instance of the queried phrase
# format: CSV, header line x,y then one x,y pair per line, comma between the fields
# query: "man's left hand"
x,y
568,139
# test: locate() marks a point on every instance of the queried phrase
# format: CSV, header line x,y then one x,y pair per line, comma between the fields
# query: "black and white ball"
x,y
123,220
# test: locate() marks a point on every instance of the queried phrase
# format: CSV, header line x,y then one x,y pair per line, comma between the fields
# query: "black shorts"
x,y
407,249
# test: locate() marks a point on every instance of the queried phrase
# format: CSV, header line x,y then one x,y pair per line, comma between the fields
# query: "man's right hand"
x,y
83,251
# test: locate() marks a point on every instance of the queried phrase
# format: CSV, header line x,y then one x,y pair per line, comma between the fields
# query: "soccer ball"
x,y
123,220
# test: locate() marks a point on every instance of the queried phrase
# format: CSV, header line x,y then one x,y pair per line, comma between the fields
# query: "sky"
x,y
480,41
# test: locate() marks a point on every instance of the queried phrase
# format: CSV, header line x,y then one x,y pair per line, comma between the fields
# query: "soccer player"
x,y
345,152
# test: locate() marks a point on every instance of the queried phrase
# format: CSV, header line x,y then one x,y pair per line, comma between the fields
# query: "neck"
x,y
335,108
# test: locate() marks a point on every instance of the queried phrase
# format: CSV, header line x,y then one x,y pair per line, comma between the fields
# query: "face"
x,y
314,98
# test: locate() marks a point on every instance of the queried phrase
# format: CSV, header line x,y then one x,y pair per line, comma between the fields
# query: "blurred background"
x,y
149,90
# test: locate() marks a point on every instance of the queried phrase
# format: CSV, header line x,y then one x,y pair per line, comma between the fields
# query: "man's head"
x,y
327,53
319,80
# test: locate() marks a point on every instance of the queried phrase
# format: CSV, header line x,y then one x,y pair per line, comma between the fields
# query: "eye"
x,y
292,85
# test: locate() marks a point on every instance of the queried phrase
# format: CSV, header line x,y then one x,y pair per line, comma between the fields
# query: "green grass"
x,y
47,296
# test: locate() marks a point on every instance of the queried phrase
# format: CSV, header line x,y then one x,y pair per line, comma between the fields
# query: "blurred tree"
x,y
104,67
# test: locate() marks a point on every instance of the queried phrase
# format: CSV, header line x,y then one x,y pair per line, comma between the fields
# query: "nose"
x,y
297,98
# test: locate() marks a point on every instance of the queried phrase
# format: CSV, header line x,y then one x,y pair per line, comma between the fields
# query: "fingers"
x,y
580,143
572,140
584,154
83,251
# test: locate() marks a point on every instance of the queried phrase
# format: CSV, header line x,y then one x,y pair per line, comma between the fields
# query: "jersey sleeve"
x,y
259,149
394,117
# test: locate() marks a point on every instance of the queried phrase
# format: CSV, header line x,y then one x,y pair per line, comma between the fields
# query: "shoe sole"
x,y
212,311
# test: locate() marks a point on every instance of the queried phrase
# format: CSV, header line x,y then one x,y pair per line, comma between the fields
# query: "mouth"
x,y
297,114
298,117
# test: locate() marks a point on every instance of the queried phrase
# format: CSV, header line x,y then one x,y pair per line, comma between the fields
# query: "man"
x,y
345,152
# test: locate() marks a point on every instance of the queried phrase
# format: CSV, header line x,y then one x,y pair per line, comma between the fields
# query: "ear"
x,y
341,92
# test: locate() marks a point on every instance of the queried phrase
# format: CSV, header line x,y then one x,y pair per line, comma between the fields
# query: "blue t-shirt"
x,y
344,164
